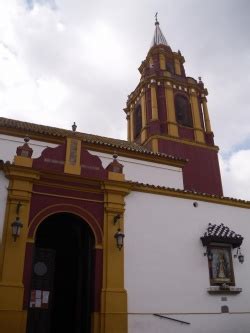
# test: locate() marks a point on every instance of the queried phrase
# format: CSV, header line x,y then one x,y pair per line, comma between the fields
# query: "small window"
x,y
137,121
183,111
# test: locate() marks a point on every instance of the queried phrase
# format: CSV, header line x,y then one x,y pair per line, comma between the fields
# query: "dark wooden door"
x,y
39,312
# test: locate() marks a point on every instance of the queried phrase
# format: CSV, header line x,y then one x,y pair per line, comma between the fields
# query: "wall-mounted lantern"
x,y
116,218
119,236
16,228
239,255
209,255
17,224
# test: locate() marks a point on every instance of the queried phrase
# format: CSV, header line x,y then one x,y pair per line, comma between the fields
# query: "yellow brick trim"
x,y
187,142
190,196
73,155
154,106
171,119
114,296
198,131
23,161
177,66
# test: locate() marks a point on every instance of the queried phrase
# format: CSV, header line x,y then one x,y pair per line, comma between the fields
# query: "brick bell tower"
x,y
167,112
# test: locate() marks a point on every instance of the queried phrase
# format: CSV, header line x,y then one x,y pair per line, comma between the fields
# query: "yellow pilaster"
x,y
206,115
155,147
151,61
128,127
162,62
154,102
144,119
114,296
131,118
13,252
198,130
73,155
177,66
171,119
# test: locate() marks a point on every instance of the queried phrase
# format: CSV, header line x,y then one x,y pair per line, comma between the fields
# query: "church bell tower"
x,y
167,113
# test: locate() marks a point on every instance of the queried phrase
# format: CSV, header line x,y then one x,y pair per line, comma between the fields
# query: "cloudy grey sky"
x,y
74,60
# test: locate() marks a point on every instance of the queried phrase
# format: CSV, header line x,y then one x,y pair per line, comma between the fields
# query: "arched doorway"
x,y
62,276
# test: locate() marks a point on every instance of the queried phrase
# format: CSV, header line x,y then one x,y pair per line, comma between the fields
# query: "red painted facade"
x,y
202,172
77,195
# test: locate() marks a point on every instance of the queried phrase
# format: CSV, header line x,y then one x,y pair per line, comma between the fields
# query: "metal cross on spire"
x,y
158,35
156,19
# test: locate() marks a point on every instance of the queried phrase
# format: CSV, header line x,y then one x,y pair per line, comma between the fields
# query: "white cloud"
x,y
236,174
64,61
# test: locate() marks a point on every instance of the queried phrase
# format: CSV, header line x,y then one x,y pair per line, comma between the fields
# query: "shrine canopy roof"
x,y
221,234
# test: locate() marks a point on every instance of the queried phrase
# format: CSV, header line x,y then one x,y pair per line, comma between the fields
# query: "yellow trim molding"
x,y
187,142
73,156
114,296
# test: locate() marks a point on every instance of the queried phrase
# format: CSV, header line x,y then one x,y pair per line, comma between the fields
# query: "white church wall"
x,y
146,172
166,271
3,200
9,144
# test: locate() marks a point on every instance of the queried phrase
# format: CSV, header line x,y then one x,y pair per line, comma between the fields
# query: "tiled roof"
x,y
31,128
221,233
192,194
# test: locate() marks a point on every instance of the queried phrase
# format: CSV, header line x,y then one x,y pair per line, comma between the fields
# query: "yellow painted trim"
x,y
155,147
154,103
171,119
144,119
23,161
78,188
206,116
13,318
132,115
98,246
114,296
162,61
190,195
187,142
116,176
66,197
143,135
73,155
128,127
198,131
95,322
177,66
12,321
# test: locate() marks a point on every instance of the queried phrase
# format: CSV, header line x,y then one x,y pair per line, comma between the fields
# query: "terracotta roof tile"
x,y
89,138
198,194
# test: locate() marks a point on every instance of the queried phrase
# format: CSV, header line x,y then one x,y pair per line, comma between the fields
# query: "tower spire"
x,y
158,38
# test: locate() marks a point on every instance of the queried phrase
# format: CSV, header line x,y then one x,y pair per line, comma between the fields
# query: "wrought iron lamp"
x,y
239,255
209,255
119,236
16,228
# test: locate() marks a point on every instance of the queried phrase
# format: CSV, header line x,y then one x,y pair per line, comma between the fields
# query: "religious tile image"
x,y
221,270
